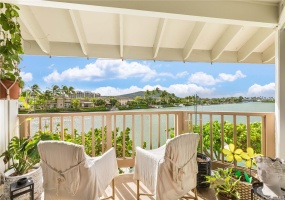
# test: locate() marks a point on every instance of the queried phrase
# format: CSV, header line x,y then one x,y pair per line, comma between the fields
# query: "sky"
x,y
115,77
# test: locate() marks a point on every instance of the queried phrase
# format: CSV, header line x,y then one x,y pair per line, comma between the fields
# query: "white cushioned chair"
x,y
169,172
68,173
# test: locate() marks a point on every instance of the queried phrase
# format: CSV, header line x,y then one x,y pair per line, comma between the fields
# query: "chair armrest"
x,y
146,165
106,168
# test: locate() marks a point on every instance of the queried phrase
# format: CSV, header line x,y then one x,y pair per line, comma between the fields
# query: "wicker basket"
x,y
244,189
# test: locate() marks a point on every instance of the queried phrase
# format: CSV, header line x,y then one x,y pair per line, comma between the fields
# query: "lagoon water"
x,y
237,107
240,107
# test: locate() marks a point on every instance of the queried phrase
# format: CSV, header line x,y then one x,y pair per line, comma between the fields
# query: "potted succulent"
x,y
23,158
224,185
10,51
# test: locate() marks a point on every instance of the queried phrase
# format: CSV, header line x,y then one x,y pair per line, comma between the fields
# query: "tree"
x,y
45,97
113,101
100,102
35,92
138,99
164,96
68,90
75,103
55,90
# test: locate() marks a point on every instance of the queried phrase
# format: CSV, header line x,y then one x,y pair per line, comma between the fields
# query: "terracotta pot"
x,y
14,90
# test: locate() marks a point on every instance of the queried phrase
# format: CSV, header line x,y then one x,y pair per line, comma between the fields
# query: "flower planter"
x,y
14,90
244,188
35,174
204,168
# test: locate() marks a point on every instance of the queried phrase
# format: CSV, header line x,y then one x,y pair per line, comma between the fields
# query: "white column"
x,y
280,94
8,125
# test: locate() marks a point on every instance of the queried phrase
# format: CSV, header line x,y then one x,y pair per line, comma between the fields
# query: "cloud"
x,y
51,66
111,91
26,76
262,90
202,78
182,74
180,90
103,69
230,77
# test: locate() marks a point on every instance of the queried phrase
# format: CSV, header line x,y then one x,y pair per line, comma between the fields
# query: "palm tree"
x,y
147,97
55,90
164,95
35,92
67,90
45,97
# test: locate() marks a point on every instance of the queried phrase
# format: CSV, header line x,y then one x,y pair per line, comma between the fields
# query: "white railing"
x,y
152,128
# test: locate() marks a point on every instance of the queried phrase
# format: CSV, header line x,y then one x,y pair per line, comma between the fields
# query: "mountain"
x,y
132,95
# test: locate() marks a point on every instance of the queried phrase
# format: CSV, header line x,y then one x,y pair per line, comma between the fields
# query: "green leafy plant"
x,y
10,43
241,133
223,183
23,153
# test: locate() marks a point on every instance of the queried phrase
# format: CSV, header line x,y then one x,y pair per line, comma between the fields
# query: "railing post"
x,y
185,121
23,126
109,131
179,123
270,135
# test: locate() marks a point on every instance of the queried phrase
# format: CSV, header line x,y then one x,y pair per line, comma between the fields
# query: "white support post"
x,y
279,93
8,124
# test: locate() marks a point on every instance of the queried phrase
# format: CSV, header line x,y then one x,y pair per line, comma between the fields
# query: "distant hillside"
x,y
132,95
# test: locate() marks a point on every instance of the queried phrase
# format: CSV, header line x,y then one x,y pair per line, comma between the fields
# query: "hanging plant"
x,y
10,43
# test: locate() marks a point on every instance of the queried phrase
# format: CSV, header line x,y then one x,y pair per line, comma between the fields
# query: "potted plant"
x,y
246,179
224,185
10,51
23,158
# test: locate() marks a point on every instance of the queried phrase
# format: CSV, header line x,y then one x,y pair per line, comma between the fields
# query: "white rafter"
x,y
254,42
158,37
188,48
29,20
121,36
225,39
269,54
77,23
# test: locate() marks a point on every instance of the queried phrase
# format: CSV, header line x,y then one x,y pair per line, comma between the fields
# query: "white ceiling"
x,y
189,30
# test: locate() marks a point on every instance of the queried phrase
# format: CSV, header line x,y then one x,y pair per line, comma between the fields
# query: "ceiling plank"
x,y
225,39
77,23
121,18
31,23
158,37
269,54
254,42
243,13
189,46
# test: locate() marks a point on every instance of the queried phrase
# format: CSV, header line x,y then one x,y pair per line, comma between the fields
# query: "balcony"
x,y
151,130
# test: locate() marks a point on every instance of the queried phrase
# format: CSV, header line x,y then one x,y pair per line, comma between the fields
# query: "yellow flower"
x,y
248,156
232,154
